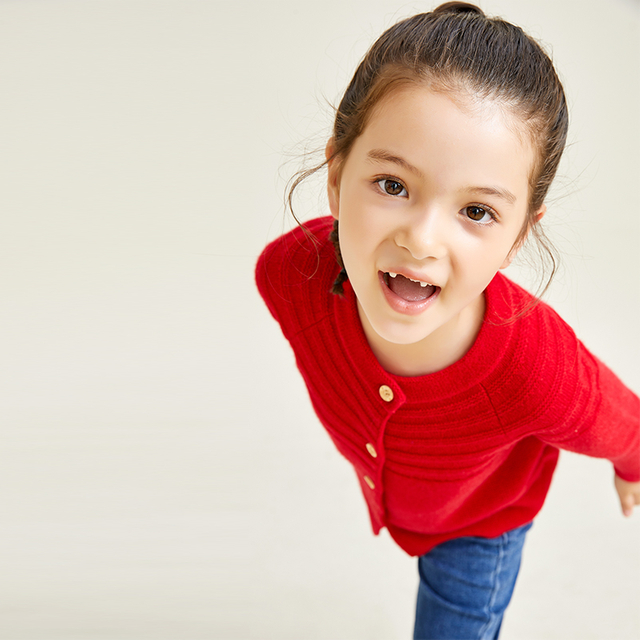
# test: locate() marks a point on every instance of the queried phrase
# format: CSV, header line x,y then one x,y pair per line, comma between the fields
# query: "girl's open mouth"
x,y
406,295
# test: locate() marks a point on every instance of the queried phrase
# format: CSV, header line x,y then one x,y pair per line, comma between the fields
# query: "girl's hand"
x,y
629,494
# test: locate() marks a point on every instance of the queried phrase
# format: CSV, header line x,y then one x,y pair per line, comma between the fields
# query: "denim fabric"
x,y
466,585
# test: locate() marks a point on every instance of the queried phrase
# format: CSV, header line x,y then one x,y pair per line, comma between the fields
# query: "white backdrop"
x,y
162,473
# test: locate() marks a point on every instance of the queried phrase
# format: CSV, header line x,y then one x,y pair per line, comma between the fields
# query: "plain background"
x,y
162,474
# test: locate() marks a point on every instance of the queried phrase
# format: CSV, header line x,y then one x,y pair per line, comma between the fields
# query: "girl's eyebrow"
x,y
505,194
385,156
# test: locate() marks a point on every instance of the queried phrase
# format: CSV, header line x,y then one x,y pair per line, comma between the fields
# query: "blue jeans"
x,y
466,585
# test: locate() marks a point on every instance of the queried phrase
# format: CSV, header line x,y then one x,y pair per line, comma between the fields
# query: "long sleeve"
x,y
565,396
609,424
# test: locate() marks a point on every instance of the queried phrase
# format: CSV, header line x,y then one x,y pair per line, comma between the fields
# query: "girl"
x,y
449,388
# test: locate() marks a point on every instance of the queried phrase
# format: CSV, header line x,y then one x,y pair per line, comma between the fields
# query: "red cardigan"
x,y
470,449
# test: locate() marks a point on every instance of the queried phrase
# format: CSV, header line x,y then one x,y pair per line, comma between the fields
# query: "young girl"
x,y
449,388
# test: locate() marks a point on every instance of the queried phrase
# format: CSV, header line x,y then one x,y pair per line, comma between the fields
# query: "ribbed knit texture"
x,y
471,449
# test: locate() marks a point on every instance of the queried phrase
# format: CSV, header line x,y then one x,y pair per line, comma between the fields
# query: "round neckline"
x,y
480,360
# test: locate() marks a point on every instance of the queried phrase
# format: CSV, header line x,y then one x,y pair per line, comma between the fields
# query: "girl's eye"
x,y
392,187
479,214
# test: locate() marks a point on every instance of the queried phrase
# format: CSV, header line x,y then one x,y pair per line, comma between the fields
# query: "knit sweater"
x,y
468,450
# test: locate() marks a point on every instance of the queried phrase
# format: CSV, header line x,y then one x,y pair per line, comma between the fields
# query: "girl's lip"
x,y
406,307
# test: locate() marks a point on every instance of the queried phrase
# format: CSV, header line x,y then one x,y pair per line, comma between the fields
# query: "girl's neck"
x,y
438,350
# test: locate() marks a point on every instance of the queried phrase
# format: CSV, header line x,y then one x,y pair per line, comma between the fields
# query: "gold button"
x,y
372,450
385,393
369,481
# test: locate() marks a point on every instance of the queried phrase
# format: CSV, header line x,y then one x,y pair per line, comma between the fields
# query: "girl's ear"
x,y
514,251
333,186
541,211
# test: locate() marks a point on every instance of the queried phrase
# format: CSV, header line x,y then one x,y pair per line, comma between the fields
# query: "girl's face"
x,y
435,192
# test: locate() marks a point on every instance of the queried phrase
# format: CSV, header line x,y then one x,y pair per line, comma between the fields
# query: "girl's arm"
x,y
629,494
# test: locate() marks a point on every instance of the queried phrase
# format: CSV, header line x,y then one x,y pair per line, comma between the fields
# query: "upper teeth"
x,y
422,284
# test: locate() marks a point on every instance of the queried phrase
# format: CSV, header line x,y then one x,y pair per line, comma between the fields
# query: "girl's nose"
x,y
424,234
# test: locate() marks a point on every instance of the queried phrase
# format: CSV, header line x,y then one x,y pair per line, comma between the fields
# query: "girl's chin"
x,y
380,323
401,337
394,332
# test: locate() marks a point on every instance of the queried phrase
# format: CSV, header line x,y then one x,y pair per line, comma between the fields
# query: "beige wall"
x,y
162,473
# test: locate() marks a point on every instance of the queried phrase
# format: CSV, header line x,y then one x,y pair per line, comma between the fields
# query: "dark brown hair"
x,y
456,48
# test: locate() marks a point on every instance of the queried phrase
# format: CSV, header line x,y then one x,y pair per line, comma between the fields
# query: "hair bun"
x,y
458,7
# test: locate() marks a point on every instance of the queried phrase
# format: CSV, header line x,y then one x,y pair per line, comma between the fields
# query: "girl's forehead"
x,y
431,107
468,102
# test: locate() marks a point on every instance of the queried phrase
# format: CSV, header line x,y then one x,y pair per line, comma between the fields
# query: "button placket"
x,y
387,395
